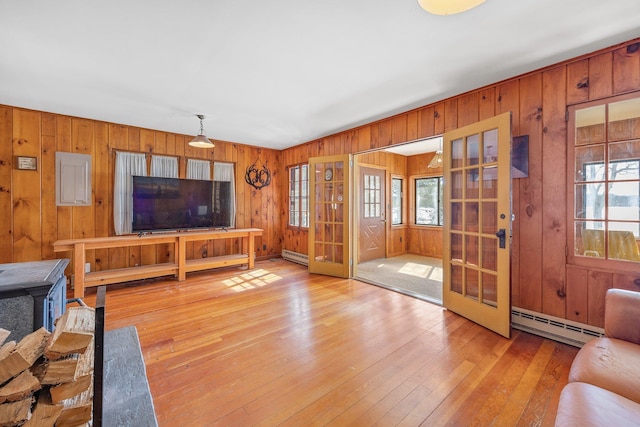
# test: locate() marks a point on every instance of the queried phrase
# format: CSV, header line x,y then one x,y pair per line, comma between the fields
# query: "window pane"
x,y
456,278
429,209
624,201
629,151
489,289
590,201
294,207
490,146
472,190
472,283
304,212
489,253
456,247
624,119
456,185
471,217
457,153
490,182
590,125
623,244
624,170
472,150
456,216
589,239
396,201
590,163
489,217
471,249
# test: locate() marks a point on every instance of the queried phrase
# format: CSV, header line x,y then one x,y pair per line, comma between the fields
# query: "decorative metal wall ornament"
x,y
258,177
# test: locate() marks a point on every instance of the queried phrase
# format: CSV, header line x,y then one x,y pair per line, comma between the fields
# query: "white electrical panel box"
x,y
73,179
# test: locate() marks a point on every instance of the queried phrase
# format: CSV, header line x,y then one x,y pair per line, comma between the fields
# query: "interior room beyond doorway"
x,y
414,275
411,262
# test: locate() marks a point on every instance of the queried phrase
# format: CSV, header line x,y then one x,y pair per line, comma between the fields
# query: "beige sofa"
x,y
604,380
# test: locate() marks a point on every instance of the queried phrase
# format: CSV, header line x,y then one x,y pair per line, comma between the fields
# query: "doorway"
x,y
476,232
410,263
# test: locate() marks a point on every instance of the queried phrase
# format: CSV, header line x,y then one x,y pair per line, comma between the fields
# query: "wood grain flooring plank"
x,y
277,346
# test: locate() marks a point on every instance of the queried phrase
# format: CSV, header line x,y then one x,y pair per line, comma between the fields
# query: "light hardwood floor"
x,y
278,346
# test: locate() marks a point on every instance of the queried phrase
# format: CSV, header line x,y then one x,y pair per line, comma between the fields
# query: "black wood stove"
x,y
32,295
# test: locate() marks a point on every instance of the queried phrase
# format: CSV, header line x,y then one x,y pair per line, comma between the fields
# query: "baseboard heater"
x,y
295,257
555,328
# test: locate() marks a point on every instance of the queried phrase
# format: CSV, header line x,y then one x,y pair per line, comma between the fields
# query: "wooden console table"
x,y
180,267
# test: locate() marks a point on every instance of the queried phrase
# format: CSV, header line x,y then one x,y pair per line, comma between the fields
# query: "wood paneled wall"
x,y
30,221
422,240
538,102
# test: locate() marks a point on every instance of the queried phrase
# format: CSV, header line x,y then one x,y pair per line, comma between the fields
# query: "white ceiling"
x,y
282,72
426,145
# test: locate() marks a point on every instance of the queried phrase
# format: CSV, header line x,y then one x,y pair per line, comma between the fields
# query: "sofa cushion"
x,y
583,405
611,364
622,315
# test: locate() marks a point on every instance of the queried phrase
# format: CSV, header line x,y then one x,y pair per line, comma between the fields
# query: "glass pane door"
x,y
478,222
329,244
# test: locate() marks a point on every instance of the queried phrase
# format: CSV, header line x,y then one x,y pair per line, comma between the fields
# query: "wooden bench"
x,y
179,268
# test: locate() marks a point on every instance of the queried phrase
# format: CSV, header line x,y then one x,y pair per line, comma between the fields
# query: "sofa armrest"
x,y
622,315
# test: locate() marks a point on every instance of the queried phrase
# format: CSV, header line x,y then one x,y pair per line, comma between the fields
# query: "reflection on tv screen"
x,y
175,204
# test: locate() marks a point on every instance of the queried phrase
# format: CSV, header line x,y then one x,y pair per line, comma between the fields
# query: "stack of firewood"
x,y
46,379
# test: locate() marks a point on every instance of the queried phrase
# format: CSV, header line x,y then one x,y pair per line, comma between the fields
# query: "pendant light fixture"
x,y
448,7
436,161
201,141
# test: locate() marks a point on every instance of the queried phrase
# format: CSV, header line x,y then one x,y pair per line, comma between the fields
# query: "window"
x,y
225,172
429,206
164,166
299,196
396,201
198,169
605,179
127,165
372,200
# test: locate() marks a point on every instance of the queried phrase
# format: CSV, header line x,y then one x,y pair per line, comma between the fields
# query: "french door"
x,y
330,215
477,231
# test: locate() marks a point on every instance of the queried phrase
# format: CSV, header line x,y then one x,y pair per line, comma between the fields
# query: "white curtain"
x,y
164,166
198,169
127,165
224,172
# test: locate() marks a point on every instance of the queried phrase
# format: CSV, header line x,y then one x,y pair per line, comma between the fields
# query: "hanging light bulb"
x,y
436,162
201,140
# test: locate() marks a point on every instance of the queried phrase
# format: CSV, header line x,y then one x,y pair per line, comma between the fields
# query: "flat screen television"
x,y
164,204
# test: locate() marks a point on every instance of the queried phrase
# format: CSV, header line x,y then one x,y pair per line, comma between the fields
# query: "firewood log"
x,y
73,334
15,413
19,388
45,413
22,355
